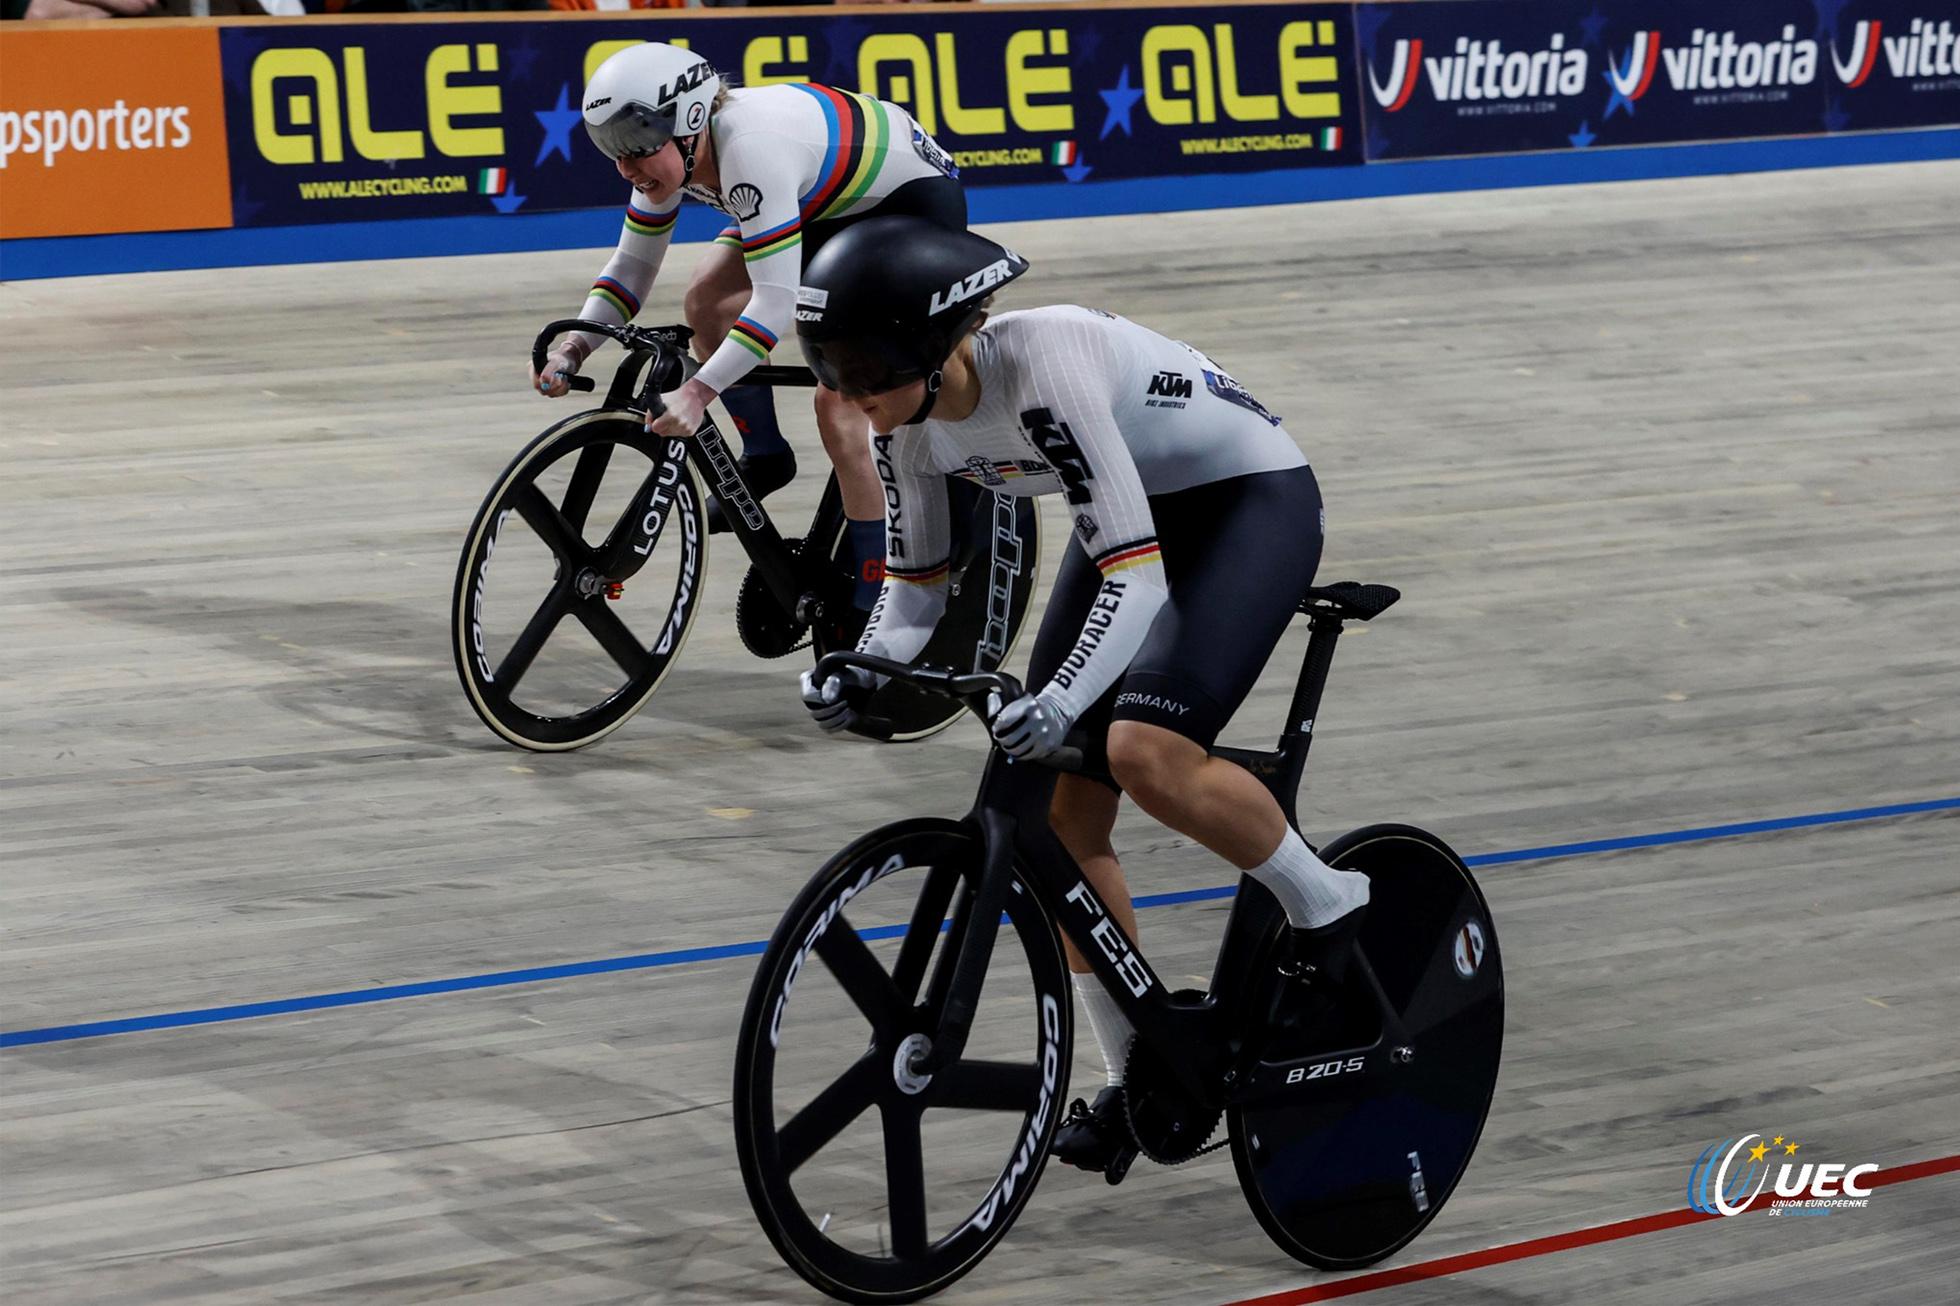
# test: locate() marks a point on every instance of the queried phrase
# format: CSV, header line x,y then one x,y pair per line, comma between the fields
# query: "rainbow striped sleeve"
x,y
753,336
773,241
731,235
924,576
861,136
651,224
1125,556
618,296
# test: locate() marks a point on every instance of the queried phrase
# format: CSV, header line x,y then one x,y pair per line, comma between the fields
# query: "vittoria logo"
x,y
1401,76
1924,51
1634,73
1864,53
1481,70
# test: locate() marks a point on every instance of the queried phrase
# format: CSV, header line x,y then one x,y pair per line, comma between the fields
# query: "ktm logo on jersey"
x,y
1058,446
1171,385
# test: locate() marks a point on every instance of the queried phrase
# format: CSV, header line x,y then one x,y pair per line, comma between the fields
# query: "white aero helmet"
x,y
647,95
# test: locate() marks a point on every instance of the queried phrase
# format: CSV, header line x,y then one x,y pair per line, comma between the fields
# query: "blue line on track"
x,y
685,956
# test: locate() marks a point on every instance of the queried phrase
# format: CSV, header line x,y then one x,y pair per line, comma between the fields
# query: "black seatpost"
x,y
1297,738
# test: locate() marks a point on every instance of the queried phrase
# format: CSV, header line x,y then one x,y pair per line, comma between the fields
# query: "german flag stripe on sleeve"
x,y
929,576
618,296
773,241
731,235
651,224
753,336
1127,556
860,137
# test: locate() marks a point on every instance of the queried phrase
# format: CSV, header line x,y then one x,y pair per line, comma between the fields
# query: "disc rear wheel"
x,y
1356,1148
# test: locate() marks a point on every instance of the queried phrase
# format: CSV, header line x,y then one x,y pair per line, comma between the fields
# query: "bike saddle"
x,y
1350,600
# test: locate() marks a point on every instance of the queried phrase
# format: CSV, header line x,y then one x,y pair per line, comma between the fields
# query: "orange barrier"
x,y
112,127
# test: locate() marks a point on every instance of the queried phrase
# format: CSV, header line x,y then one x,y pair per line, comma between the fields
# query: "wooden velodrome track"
x,y
1666,472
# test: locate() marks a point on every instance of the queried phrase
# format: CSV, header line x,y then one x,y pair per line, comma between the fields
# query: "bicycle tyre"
x,y
917,1263
1350,1167
597,708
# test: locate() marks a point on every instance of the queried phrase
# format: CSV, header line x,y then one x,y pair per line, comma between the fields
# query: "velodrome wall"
x,y
130,146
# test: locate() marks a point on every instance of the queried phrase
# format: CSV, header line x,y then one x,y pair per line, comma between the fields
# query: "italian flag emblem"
x,y
492,181
1063,154
1330,138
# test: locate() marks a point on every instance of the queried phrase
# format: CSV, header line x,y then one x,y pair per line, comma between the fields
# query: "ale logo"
x,y
1631,76
1401,76
1864,53
1720,1185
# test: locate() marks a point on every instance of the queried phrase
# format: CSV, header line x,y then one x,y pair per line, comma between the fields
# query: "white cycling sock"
x,y
1312,892
1112,1027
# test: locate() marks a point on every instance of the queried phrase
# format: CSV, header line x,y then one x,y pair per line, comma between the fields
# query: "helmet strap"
x,y
685,144
933,383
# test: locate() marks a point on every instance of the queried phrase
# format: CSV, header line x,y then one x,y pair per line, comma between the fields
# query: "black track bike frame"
x,y
1202,1040
661,352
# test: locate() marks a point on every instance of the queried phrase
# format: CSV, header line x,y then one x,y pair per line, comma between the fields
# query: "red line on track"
x,y
1605,1233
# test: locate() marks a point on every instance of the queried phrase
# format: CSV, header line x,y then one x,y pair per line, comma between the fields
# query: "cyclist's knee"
x,y
1154,765
1082,815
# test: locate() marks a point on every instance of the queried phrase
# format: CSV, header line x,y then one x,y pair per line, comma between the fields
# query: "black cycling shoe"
x,y
1097,1138
765,473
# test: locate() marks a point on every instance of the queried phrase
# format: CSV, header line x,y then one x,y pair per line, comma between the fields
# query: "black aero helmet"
x,y
885,300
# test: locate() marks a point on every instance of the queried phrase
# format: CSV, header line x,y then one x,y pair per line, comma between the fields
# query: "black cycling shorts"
x,y
939,200
1240,555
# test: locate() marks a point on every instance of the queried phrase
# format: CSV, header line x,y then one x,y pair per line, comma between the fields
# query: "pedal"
x,y
1118,1168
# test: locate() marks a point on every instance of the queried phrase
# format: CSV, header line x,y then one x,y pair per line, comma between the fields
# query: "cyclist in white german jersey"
x,y
1197,529
791,165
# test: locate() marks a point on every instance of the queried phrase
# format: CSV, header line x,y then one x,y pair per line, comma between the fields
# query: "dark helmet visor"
x,y
855,368
633,131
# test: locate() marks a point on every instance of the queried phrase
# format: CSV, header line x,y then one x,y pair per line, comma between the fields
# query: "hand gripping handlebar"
x,y
656,340
977,689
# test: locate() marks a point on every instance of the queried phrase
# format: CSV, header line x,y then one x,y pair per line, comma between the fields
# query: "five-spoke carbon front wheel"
x,y
877,1181
579,581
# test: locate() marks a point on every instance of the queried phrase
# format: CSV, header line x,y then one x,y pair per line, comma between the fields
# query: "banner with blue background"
x,y
1463,77
337,123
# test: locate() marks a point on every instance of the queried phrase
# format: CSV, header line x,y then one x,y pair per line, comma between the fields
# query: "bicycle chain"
x,y
1145,1067
766,630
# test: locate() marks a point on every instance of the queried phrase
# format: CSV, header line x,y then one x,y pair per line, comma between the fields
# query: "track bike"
x,y
608,522
882,1170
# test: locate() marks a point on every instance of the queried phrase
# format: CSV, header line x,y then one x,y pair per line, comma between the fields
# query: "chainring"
x,y
766,630
1168,1125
